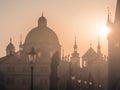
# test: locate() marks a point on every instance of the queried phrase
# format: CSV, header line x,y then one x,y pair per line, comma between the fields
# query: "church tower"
x,y
99,47
75,60
10,48
114,51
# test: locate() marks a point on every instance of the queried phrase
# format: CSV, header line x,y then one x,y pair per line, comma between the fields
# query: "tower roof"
x,y
10,45
117,13
99,47
75,45
109,18
90,53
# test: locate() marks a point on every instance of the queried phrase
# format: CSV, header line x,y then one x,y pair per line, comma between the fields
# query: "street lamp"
x,y
79,84
85,82
85,85
32,58
73,83
100,87
79,81
90,83
73,78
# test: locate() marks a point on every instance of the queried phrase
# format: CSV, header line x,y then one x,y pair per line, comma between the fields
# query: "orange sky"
x,y
67,18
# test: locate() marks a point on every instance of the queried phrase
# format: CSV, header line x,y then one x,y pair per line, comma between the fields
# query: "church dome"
x,y
42,34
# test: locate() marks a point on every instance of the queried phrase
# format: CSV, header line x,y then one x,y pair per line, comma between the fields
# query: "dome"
x,y
42,34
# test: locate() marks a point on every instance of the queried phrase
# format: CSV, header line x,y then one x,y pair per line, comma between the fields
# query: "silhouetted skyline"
x,y
66,18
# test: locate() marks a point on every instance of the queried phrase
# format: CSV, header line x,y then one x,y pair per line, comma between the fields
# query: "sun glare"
x,y
104,31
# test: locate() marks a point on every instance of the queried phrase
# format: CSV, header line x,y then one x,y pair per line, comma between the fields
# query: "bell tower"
x,y
75,61
114,51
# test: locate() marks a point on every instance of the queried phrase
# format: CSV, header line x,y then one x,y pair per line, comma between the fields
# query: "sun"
x,y
104,31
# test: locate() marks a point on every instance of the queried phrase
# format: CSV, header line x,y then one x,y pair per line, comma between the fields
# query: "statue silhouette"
x,y
53,76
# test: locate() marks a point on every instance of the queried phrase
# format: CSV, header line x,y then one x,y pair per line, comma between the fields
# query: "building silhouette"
x,y
91,74
15,66
51,70
114,50
96,65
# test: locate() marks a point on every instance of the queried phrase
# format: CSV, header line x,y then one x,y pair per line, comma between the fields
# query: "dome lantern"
x,y
42,21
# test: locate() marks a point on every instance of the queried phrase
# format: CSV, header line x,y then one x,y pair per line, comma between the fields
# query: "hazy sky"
x,y
67,18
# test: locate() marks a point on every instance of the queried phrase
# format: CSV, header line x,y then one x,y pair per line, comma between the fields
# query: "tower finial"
x,y
75,45
20,46
20,38
109,18
99,41
42,13
99,47
108,13
117,12
10,40
63,54
75,39
90,44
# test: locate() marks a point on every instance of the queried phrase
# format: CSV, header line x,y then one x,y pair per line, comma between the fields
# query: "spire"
x,y
10,49
75,45
109,18
42,21
42,14
90,44
10,40
63,55
117,13
21,39
99,47
20,46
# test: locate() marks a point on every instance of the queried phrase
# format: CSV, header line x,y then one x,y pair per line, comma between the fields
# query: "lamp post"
x,y
32,58
90,85
79,84
99,87
73,83
85,85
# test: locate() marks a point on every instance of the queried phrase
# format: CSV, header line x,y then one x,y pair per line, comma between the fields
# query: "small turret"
x,y
99,47
20,45
63,56
75,46
117,14
42,22
10,48
109,21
